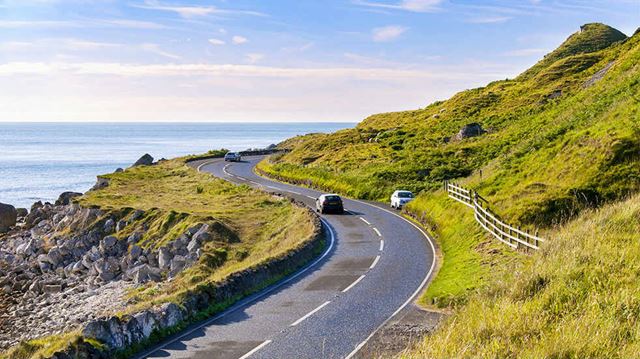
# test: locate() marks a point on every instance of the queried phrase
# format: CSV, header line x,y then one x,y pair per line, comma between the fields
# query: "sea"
x,y
38,161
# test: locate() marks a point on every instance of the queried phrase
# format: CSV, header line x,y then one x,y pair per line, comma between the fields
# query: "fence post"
x,y
536,240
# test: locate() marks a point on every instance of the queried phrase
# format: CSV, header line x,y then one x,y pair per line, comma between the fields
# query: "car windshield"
x,y
332,198
405,194
231,154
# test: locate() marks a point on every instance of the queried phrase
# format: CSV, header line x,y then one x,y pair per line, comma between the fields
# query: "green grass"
x,y
577,298
545,159
252,227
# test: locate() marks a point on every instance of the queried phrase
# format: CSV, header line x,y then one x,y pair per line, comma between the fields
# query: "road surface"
x,y
375,263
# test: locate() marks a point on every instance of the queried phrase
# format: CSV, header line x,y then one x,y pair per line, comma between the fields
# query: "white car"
x,y
400,198
232,157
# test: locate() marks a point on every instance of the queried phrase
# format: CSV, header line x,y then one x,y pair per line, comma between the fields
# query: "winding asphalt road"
x,y
375,264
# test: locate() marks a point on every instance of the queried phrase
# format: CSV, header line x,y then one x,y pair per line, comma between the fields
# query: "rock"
x,y
137,214
193,230
193,246
36,205
145,160
147,321
52,288
134,238
144,273
121,224
135,252
203,234
109,226
164,258
22,212
101,182
470,130
118,170
177,264
107,268
108,242
65,198
8,217
170,315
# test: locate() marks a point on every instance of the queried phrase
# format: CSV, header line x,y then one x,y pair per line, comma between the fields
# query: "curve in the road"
x,y
373,268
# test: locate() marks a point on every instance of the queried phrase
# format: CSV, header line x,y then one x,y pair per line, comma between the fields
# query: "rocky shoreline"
x,y
66,268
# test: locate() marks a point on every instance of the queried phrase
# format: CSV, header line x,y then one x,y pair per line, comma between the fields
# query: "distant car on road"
x,y
400,198
327,203
232,157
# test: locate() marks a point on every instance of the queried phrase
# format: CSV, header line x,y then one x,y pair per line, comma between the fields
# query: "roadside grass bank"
x,y
258,239
579,297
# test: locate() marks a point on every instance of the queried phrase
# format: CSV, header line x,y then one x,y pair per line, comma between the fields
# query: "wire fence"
x,y
514,237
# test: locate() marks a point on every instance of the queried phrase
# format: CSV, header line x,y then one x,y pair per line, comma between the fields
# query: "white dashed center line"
x,y
353,284
377,232
381,245
310,314
255,349
365,221
311,197
375,261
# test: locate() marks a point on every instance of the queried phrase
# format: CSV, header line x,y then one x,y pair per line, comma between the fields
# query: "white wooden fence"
x,y
512,236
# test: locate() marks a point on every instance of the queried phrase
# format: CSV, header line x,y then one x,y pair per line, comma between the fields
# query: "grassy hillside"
x,y
562,137
577,298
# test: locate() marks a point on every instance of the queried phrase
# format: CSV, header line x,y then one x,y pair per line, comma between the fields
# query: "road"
x,y
374,266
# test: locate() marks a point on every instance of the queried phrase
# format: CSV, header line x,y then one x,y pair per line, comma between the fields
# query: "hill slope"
x,y
562,137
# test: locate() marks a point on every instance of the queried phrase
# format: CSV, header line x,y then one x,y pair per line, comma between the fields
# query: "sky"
x,y
270,60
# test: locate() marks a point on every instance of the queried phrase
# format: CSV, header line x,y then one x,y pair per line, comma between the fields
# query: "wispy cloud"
x,y
155,48
238,40
488,19
190,11
387,33
254,58
93,23
406,5
216,42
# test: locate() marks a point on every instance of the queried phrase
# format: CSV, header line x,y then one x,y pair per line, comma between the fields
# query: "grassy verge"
x,y
254,228
578,297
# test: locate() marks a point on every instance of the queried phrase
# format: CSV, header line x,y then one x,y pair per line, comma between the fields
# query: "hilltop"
x,y
545,149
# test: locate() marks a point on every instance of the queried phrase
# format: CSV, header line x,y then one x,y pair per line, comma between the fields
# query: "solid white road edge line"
x,y
255,349
377,232
375,261
353,284
311,197
424,281
365,221
381,245
310,313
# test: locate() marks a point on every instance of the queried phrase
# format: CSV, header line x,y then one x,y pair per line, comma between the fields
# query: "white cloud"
x,y
254,58
387,33
155,48
193,11
239,40
216,42
489,19
406,5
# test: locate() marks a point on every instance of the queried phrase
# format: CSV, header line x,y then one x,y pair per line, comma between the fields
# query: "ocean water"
x,y
38,161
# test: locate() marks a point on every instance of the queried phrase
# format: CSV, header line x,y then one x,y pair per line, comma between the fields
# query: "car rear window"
x,y
332,198
405,194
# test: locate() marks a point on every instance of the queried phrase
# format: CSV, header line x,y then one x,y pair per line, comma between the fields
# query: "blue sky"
x,y
277,60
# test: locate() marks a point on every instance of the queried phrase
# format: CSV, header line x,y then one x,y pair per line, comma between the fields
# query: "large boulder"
x,y
8,217
101,182
145,160
471,130
65,198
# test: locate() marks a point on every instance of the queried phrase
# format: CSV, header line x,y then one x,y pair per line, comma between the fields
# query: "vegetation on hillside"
x,y
577,298
561,138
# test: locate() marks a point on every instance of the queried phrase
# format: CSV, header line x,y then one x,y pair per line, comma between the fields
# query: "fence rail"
x,y
512,236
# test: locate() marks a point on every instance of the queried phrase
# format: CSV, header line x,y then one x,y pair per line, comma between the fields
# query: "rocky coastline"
x,y
66,268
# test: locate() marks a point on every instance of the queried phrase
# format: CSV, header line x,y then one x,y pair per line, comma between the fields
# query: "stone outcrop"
x,y
145,160
470,130
64,265
66,197
8,217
